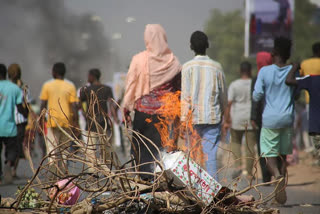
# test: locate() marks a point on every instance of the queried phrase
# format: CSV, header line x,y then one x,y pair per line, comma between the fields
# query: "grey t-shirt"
x,y
240,95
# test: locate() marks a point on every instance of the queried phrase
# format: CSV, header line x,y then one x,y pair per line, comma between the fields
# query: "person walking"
x,y
311,66
152,73
278,113
59,97
203,92
10,97
97,98
238,118
263,59
311,83
14,74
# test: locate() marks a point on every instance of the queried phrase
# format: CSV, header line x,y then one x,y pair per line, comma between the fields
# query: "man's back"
x,y
203,83
60,94
279,103
240,94
103,93
10,96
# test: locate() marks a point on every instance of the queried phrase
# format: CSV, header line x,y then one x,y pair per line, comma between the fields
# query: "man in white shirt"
x,y
238,119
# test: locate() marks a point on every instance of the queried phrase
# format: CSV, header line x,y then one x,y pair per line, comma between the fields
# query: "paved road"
x,y
300,201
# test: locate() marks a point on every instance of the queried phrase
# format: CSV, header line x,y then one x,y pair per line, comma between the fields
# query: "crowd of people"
x,y
260,109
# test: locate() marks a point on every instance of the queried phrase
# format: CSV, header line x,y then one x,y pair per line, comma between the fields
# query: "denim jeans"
x,y
210,134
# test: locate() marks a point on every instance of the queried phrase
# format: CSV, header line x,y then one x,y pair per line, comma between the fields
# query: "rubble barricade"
x,y
176,167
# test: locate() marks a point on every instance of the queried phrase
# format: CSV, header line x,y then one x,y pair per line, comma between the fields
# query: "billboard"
x,y
265,20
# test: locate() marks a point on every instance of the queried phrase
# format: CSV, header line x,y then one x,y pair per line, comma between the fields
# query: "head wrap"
x,y
263,59
151,68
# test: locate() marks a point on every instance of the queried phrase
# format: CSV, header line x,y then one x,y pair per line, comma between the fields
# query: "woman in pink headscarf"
x,y
152,73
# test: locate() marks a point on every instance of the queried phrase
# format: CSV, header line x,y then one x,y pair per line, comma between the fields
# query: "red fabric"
x,y
45,128
263,59
253,26
150,103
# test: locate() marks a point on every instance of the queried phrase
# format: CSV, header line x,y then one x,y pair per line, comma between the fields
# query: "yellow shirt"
x,y
60,94
310,67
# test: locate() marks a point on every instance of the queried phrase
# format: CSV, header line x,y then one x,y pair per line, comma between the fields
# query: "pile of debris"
x,y
93,184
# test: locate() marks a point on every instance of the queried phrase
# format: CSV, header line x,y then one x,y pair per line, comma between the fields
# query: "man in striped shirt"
x,y
14,74
203,93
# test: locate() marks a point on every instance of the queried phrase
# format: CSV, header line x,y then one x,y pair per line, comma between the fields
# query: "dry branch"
x,y
95,175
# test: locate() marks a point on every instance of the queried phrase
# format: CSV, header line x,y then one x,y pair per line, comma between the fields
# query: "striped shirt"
x,y
19,118
203,91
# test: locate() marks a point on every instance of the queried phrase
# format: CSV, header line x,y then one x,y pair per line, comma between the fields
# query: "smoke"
x,y
37,33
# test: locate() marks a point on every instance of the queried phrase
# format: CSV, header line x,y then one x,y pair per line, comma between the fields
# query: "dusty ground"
x,y
303,186
304,174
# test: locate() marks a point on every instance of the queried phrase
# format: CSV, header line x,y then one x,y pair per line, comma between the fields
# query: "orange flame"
x,y
170,128
148,120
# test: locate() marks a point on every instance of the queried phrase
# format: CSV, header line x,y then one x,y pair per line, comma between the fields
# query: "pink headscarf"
x,y
263,59
151,68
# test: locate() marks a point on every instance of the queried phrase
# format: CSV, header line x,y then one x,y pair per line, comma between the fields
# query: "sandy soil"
x,y
304,174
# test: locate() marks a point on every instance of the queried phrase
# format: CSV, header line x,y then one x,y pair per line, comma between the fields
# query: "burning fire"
x,y
170,128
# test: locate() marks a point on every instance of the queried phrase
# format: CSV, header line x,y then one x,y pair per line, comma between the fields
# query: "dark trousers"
x,y
139,149
20,138
11,150
266,175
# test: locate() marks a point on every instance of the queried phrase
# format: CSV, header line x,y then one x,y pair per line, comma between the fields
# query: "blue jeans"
x,y
210,134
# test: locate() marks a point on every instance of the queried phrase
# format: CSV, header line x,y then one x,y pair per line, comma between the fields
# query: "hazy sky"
x,y
179,17
22,41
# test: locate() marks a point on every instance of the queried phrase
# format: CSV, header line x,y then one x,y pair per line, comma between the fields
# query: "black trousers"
x,y
20,138
140,148
266,175
11,150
